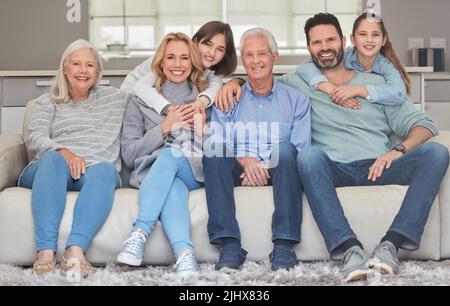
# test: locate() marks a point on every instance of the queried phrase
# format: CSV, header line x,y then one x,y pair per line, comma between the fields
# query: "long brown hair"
x,y
210,29
387,50
196,78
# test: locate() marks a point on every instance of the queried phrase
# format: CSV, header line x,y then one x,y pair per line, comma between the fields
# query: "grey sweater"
x,y
142,137
89,128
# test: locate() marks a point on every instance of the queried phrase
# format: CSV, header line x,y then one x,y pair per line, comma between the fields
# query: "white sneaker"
x,y
187,264
133,251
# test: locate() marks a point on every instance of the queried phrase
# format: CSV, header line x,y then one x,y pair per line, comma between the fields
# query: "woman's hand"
x,y
347,92
199,104
351,104
178,117
76,163
224,98
332,91
199,126
203,100
326,87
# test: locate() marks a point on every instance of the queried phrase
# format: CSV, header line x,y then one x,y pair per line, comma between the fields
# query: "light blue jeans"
x,y
49,178
164,194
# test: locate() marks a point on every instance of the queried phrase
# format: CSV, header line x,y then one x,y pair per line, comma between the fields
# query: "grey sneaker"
x,y
354,265
385,258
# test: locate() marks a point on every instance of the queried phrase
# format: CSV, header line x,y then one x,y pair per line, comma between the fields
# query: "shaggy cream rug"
x,y
253,274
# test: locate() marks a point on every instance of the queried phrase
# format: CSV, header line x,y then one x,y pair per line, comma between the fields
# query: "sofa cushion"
x,y
370,211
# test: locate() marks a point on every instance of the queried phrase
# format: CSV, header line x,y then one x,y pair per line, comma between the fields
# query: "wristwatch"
x,y
400,148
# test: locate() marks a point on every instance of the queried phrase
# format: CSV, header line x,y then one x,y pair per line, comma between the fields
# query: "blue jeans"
x,y
164,194
422,169
222,174
49,178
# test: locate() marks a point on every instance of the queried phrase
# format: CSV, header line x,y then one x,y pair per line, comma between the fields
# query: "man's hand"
x,y
224,98
77,164
255,174
382,163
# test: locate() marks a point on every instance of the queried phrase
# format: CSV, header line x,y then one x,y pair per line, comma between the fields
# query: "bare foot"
x,y
45,262
74,252
45,256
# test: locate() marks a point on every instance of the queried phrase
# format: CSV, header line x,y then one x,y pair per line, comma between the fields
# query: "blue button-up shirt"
x,y
259,122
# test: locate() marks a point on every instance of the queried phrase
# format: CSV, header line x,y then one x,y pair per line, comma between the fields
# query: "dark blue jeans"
x,y
422,169
49,178
222,174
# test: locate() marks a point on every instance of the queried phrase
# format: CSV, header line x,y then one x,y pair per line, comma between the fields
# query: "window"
x,y
141,24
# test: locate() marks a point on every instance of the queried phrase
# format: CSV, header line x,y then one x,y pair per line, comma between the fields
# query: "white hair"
x,y
259,32
60,89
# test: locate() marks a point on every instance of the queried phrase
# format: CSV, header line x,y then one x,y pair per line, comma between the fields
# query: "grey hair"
x,y
259,32
60,88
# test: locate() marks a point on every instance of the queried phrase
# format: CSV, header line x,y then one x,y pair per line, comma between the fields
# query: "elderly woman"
x,y
74,136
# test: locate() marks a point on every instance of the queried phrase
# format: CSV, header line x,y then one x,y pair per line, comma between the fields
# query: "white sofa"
x,y
370,211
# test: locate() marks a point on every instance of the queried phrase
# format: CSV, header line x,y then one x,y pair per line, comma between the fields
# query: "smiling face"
x,y
176,63
368,38
212,51
258,59
326,47
81,71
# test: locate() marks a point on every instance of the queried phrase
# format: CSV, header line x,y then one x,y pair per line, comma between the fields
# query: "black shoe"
x,y
231,257
282,258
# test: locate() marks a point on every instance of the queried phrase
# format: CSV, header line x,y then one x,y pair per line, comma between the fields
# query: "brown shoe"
x,y
75,264
46,266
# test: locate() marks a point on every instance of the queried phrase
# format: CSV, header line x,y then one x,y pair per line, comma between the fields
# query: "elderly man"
x,y
353,148
261,138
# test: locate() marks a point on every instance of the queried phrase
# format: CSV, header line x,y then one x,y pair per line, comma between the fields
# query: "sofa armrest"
x,y
13,159
444,201
444,139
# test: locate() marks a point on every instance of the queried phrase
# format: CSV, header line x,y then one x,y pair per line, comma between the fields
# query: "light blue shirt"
x,y
259,122
393,92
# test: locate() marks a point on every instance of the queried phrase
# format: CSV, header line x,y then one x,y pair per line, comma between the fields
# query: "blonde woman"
x,y
152,145
74,136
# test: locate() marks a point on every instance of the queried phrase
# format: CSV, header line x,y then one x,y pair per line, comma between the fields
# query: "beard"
x,y
329,64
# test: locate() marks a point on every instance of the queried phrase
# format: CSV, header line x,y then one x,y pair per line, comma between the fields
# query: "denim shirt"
x,y
391,93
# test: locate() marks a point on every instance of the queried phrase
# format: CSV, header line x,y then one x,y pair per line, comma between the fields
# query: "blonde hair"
x,y
60,89
196,78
